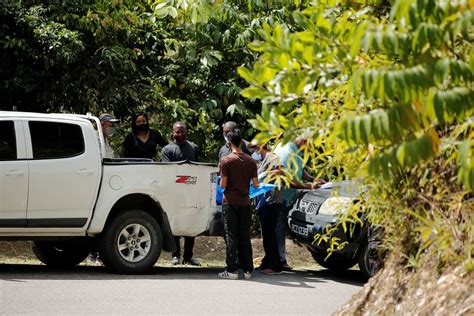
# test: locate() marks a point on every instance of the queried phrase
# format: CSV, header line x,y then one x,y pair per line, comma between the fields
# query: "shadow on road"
x,y
296,278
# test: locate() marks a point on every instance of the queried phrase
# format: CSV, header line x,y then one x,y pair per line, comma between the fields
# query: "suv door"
x,y
13,174
63,173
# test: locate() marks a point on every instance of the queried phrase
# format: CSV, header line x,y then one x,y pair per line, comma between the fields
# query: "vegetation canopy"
x,y
175,60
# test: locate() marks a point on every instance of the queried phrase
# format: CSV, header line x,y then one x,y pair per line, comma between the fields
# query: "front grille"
x,y
308,207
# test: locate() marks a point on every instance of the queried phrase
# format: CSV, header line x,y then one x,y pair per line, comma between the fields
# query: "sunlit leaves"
x,y
433,72
402,85
191,11
450,105
421,78
390,124
391,163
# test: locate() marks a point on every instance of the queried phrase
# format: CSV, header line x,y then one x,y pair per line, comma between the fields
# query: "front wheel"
x,y
60,254
131,243
335,262
370,261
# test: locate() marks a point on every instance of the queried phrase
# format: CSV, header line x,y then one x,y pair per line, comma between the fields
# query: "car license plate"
x,y
300,230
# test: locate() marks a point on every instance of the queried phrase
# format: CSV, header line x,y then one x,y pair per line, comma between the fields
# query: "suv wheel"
x,y
363,261
335,262
60,254
131,243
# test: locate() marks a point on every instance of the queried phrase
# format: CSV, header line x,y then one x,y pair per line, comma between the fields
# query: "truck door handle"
x,y
87,172
15,173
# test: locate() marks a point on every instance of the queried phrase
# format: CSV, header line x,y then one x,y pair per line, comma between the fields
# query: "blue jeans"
x,y
268,220
281,227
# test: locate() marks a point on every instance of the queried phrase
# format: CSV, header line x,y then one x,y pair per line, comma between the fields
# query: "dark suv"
x,y
314,210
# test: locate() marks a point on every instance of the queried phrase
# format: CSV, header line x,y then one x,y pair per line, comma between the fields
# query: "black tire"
x,y
139,252
60,254
363,261
335,262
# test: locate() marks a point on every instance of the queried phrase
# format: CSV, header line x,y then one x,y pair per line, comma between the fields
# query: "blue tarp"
x,y
253,192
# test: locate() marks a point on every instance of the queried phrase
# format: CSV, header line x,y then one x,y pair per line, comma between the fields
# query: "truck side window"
x,y
7,141
52,140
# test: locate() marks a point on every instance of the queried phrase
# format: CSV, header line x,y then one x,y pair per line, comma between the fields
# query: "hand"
x,y
317,183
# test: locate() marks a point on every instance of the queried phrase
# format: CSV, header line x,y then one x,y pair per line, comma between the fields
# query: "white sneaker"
x,y
247,275
228,275
175,261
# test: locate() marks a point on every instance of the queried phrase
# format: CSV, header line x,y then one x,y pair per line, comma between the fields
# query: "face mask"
x,y
110,131
257,156
143,127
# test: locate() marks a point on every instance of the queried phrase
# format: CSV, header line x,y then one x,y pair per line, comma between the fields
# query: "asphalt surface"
x,y
36,289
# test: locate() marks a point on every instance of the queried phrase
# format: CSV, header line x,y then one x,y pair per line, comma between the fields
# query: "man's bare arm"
x,y
223,182
255,182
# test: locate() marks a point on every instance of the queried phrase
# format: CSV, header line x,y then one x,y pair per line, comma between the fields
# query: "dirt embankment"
x,y
394,291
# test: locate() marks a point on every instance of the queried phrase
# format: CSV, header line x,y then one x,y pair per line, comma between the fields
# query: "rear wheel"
x,y
60,254
131,243
335,262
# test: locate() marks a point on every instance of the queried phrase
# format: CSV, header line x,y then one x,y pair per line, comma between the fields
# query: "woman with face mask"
x,y
142,141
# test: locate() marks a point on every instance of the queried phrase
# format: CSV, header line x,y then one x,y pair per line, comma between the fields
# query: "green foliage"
x,y
433,77
389,100
176,60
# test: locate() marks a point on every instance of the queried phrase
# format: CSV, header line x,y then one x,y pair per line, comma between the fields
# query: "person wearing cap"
x,y
107,123
291,160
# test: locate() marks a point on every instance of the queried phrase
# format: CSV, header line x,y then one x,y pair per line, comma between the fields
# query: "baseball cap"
x,y
107,117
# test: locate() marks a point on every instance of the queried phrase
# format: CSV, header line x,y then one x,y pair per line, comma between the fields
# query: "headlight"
x,y
335,205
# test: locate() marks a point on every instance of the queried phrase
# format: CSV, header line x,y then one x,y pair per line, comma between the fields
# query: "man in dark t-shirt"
x,y
236,170
181,149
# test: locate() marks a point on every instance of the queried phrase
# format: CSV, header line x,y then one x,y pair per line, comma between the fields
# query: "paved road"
x,y
35,289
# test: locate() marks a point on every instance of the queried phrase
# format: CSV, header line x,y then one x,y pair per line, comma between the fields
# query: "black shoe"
x,y
192,262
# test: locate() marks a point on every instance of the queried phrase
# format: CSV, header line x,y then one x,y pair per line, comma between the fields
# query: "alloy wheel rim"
x,y
134,242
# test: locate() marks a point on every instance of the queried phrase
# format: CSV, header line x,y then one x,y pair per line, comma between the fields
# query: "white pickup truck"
x,y
57,190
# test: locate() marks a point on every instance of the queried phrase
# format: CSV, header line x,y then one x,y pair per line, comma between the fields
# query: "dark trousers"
x,y
188,247
237,221
268,221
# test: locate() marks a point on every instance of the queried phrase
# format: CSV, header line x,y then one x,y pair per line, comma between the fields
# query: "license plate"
x,y
300,230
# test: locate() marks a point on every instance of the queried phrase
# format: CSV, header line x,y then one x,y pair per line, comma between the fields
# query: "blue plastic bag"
x,y
253,192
